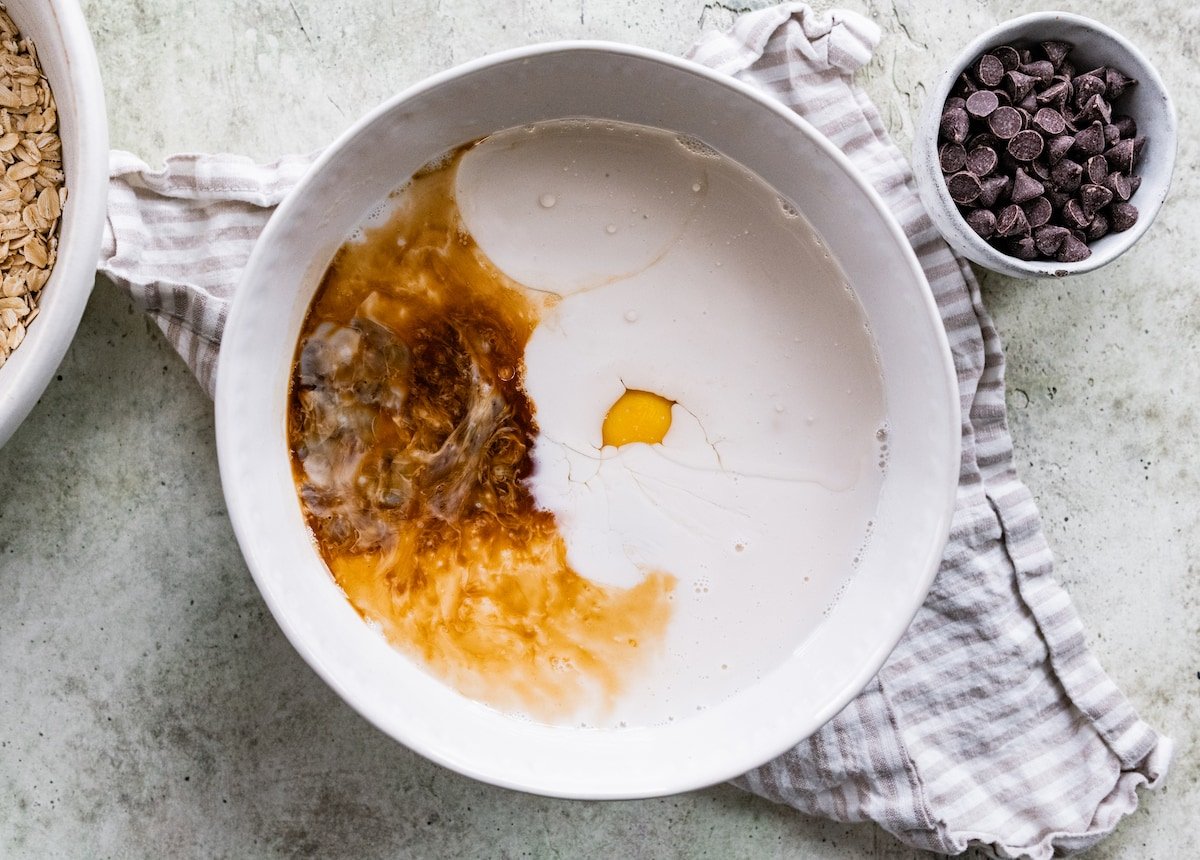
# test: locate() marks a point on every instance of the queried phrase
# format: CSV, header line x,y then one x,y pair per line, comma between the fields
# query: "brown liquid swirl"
x,y
411,432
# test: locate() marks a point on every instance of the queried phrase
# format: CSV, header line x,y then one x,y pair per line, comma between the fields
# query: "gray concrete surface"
x,y
149,706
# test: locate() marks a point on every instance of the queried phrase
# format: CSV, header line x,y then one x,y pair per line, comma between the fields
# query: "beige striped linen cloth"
x,y
991,724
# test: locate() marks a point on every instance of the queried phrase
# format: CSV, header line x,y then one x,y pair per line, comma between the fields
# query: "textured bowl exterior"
x,y
1148,103
68,58
599,80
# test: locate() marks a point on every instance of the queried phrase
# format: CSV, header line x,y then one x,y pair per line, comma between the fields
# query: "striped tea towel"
x,y
991,724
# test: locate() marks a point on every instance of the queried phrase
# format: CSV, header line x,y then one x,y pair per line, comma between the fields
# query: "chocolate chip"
x,y
1096,169
1039,168
1049,120
995,188
977,142
952,157
1123,216
1090,141
982,139
1072,250
1012,221
989,71
1024,248
954,103
1125,125
982,160
1118,184
982,221
1066,175
1074,215
1066,69
1056,51
982,103
1025,187
1050,238
1094,198
1008,57
1098,228
965,85
1026,55
1138,144
1058,147
1120,156
1038,211
1096,109
1004,122
1040,70
1058,199
1086,86
1135,182
1019,85
1026,145
1055,95
963,187
1111,135
1116,82
955,124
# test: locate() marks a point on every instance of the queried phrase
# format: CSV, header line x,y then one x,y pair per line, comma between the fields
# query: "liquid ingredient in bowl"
x,y
589,424
411,435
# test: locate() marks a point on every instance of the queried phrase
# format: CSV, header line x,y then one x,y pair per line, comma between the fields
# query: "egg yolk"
x,y
637,416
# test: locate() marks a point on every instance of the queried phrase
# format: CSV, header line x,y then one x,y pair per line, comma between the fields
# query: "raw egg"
x,y
637,416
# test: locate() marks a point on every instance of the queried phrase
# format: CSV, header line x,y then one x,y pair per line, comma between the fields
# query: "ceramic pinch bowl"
x,y
1148,103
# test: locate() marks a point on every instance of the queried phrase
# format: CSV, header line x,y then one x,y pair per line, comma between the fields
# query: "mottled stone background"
x,y
149,706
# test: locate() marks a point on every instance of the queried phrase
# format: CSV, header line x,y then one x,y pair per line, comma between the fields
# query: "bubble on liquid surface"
x,y
547,201
696,146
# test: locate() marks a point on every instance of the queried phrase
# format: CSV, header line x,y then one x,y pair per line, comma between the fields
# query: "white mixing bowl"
x,y
830,664
69,61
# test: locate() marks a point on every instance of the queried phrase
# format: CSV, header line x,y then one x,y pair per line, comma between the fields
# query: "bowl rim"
x,y
698,771
29,370
945,213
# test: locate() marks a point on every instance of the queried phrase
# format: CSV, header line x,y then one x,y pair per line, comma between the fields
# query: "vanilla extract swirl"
x,y
411,432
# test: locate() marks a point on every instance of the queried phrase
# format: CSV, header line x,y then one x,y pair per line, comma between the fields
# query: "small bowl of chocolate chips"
x,y
1046,149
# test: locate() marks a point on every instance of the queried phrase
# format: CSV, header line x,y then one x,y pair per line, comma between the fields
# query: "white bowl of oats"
x,y
53,191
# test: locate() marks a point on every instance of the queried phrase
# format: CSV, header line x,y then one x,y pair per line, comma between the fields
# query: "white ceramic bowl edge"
x,y
59,31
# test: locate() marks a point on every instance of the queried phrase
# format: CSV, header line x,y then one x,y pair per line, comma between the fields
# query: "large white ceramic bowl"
x,y
65,49
598,80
